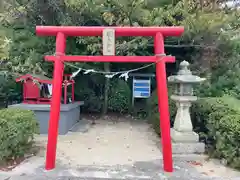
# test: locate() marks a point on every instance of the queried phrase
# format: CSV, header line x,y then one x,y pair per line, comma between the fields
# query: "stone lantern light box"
x,y
184,80
182,132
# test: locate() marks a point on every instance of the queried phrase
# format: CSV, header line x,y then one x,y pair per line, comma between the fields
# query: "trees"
x,y
207,41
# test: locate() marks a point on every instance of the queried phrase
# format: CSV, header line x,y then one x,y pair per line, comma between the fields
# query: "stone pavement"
x,y
119,150
151,170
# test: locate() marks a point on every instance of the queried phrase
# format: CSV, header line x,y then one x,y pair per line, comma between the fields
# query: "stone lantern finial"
x,y
184,68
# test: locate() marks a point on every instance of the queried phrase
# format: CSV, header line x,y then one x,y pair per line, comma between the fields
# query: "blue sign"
x,y
141,88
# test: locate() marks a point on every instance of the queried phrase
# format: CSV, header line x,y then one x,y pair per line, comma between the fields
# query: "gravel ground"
x,y
114,148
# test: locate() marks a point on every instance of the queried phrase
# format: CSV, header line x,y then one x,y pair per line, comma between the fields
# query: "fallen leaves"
x,y
195,163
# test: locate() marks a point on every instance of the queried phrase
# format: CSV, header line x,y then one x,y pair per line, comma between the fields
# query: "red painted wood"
x,y
55,105
29,76
163,105
97,30
30,91
132,59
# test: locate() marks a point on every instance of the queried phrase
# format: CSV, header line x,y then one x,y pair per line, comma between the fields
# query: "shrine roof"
x,y
38,77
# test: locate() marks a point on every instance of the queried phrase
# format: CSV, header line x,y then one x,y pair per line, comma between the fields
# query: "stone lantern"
x,y
183,96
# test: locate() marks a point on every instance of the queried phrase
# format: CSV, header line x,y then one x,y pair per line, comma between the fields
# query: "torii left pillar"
x,y
56,100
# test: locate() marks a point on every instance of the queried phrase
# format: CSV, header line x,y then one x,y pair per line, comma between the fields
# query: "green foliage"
x,y
89,92
119,97
153,113
211,39
9,91
92,102
5,43
17,129
218,121
223,81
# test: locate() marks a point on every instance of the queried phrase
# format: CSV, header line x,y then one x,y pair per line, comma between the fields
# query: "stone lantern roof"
x,y
185,75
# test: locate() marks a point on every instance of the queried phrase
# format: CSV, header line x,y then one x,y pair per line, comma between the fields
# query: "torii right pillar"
x,y
163,105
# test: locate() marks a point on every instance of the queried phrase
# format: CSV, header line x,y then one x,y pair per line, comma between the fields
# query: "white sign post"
x,y
108,39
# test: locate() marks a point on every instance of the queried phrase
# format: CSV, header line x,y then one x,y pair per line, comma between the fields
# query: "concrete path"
x,y
114,148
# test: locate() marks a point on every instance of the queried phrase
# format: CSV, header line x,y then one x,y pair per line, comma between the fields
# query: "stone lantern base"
x,y
184,136
186,143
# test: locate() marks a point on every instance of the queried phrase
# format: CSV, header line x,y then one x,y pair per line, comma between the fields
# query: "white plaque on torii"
x,y
108,39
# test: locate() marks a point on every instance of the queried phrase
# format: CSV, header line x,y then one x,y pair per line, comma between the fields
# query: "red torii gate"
x,y
62,32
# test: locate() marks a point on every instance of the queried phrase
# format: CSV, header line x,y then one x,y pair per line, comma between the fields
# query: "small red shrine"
x,y
37,89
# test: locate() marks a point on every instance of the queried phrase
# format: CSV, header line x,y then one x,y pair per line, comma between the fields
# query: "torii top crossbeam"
x,y
119,31
97,31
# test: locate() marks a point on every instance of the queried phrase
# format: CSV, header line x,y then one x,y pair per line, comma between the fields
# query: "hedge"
x,y
119,96
17,129
218,121
153,113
